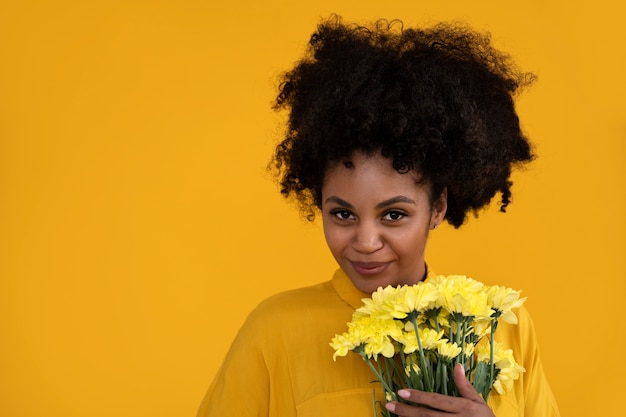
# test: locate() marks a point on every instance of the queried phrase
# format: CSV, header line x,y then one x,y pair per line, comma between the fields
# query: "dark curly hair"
x,y
437,101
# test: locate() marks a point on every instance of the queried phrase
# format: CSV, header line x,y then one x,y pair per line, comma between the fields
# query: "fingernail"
x,y
391,407
404,393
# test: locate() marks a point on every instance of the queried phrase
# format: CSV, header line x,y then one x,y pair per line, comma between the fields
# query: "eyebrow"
x,y
340,201
382,204
394,200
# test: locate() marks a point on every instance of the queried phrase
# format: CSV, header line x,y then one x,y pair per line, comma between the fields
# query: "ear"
x,y
440,205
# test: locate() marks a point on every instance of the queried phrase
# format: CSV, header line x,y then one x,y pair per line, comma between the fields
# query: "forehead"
x,y
370,173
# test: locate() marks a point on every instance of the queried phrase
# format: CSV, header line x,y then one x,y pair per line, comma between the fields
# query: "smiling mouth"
x,y
369,268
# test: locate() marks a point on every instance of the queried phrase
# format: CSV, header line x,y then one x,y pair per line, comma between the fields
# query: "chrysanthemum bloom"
x,y
413,367
415,298
429,338
468,349
508,369
448,350
344,343
464,295
376,335
503,300
380,305
482,326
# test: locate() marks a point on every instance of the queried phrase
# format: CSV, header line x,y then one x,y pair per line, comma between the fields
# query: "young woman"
x,y
391,131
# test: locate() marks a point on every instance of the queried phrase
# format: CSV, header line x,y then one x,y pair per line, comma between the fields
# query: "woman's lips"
x,y
369,268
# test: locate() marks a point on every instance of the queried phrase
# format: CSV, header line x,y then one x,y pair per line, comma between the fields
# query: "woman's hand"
x,y
469,404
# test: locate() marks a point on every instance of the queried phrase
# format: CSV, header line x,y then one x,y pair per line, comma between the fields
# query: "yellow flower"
x,y
503,300
483,353
379,345
380,304
414,367
463,295
482,327
429,338
376,335
398,302
419,297
469,349
448,350
508,369
343,343
509,372
442,319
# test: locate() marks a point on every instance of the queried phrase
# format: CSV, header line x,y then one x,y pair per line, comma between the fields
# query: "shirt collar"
x,y
346,290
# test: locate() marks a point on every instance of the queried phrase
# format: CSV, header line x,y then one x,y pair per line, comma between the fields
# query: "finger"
x,y
406,410
440,402
464,386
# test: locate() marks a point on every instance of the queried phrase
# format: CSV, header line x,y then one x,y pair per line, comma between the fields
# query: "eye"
x,y
394,215
342,214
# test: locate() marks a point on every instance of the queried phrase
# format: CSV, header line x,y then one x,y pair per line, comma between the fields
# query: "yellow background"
x,y
138,226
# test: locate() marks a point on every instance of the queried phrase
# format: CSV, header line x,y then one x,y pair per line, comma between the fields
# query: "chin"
x,y
369,285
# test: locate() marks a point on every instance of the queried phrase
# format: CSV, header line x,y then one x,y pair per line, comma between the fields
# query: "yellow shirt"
x,y
281,365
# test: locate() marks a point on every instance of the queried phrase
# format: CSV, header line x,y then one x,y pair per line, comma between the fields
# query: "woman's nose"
x,y
367,238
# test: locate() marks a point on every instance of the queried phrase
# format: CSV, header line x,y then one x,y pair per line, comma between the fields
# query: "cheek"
x,y
332,236
337,237
410,241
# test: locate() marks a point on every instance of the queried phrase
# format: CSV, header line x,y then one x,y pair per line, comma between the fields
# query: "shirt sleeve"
x,y
538,397
241,385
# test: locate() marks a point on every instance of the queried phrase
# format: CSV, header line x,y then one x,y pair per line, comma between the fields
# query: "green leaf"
x,y
482,382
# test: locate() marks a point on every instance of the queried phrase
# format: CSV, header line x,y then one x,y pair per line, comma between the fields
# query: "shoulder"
x,y
293,321
307,296
294,305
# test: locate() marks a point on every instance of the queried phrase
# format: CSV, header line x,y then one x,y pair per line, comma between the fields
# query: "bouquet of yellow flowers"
x,y
412,336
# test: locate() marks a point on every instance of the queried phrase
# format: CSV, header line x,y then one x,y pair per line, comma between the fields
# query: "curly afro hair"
x,y
437,101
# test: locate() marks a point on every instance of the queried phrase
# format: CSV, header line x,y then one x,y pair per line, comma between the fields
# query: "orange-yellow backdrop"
x,y
138,226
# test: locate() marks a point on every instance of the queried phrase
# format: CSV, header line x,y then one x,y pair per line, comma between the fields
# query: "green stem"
x,y
397,376
444,377
492,366
463,344
425,371
407,378
380,378
386,375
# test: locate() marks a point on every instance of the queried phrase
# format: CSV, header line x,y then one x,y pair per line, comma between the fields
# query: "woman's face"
x,y
377,220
